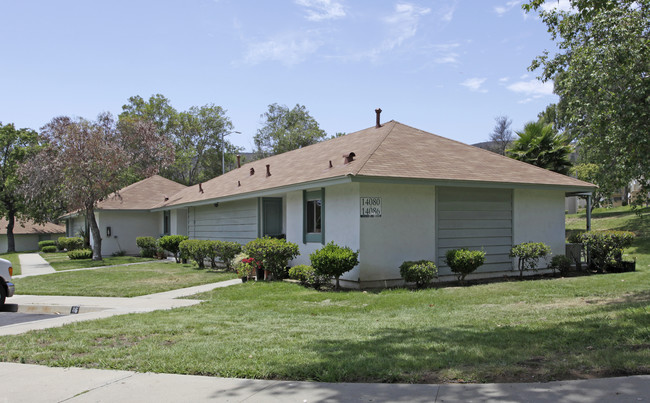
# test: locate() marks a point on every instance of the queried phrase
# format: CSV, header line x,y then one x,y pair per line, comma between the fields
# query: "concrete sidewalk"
x,y
32,264
34,383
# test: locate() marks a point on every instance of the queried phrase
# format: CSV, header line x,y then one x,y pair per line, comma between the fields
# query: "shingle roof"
x,y
142,195
393,150
26,227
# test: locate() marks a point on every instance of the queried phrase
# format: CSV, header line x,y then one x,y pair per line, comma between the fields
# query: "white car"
x,y
6,286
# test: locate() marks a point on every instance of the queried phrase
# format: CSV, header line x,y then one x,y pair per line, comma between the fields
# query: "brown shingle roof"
x,y
142,195
26,227
394,150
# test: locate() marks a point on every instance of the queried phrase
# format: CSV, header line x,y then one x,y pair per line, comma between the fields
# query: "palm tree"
x,y
539,144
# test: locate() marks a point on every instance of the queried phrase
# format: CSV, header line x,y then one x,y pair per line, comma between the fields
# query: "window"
x,y
314,217
166,215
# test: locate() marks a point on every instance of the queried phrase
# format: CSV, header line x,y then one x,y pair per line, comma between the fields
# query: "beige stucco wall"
x,y
538,216
405,231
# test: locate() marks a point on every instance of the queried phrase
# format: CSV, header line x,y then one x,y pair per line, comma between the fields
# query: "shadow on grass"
x,y
606,340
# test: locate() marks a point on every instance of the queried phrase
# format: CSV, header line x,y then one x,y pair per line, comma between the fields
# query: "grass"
x,y
121,281
15,261
61,261
516,331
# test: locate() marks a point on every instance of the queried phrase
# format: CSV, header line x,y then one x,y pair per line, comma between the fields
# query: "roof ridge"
x,y
379,143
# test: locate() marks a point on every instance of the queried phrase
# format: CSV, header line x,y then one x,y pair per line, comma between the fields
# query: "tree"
x,y
501,135
198,135
15,146
286,129
86,161
601,75
540,145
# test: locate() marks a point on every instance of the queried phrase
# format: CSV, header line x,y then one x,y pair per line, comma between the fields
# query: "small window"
x,y
314,217
166,225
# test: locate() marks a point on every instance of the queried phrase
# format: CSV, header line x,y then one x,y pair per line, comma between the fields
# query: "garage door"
x,y
475,219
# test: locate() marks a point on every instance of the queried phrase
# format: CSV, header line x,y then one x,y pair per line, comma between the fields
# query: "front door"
x,y
271,216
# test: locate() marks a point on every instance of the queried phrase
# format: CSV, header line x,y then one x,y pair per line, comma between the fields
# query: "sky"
x,y
449,67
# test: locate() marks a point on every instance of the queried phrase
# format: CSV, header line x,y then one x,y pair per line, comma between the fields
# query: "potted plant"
x,y
246,268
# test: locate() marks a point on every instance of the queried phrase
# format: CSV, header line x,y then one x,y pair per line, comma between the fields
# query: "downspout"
x,y
589,212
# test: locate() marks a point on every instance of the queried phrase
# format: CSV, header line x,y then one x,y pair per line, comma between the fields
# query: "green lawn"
x,y
61,261
15,262
515,331
121,281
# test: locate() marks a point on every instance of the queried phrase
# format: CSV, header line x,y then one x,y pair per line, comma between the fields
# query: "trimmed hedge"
x,y
273,253
464,262
147,245
606,247
80,254
43,244
420,272
49,249
560,263
333,260
226,252
70,243
307,276
195,249
171,243
529,254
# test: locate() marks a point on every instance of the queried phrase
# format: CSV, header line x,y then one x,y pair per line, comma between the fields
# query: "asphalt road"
x,y
11,318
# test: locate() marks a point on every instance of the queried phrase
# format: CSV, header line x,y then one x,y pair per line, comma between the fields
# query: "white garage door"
x,y
475,219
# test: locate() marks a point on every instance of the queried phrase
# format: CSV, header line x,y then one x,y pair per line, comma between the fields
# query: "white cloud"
x,y
448,12
504,80
533,89
404,23
318,10
474,84
288,50
560,5
446,53
501,10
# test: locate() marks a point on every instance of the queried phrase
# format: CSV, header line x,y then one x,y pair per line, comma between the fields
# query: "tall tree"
x,y
85,161
15,146
601,75
501,135
540,145
286,129
199,136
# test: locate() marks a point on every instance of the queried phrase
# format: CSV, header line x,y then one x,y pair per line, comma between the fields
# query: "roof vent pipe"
x,y
238,161
331,164
252,171
347,158
238,183
268,170
200,188
378,112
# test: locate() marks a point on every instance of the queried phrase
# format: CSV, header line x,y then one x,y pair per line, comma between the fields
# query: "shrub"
x,y
574,236
464,262
197,250
273,253
170,244
560,263
119,253
529,254
80,254
43,244
71,243
333,260
420,272
226,252
606,247
49,248
147,245
307,275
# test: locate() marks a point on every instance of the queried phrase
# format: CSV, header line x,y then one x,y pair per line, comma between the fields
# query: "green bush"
x,y
307,276
147,245
197,250
464,262
333,260
226,252
529,254
70,243
574,236
43,244
170,244
80,254
420,272
560,263
49,248
606,247
274,254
